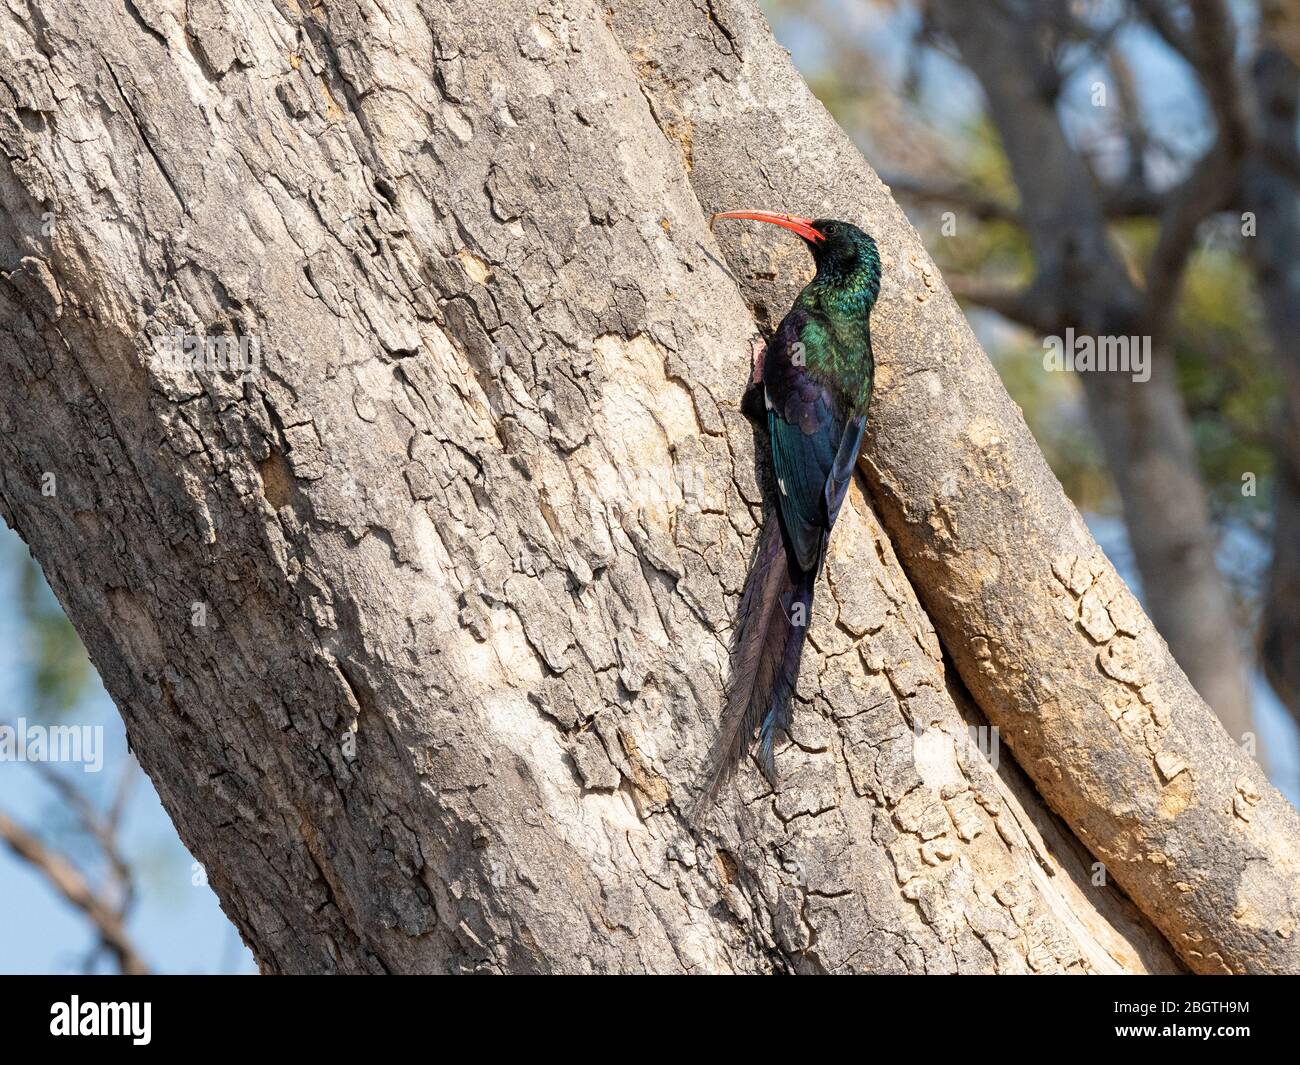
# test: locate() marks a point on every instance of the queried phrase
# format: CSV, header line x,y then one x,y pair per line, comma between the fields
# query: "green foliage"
x,y
1227,376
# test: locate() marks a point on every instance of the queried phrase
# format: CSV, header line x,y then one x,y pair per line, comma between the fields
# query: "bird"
x,y
811,385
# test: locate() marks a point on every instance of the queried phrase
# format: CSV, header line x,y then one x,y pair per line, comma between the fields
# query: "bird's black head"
x,y
844,254
844,250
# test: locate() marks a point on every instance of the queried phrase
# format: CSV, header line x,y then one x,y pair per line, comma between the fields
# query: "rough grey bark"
x,y
1042,631
465,551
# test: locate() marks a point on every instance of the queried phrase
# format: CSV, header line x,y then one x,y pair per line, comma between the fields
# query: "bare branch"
x,y
1161,19
1215,64
1210,50
1019,305
103,829
954,193
1207,190
1281,157
68,882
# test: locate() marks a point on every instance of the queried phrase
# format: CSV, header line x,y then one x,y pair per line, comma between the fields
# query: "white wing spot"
x,y
781,481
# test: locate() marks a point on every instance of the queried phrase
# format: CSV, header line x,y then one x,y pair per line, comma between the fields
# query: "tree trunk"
x,y
420,630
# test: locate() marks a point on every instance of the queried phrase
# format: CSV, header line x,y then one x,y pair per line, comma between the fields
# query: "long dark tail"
x,y
775,612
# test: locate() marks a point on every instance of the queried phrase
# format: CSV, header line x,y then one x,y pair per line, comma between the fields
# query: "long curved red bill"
x,y
792,222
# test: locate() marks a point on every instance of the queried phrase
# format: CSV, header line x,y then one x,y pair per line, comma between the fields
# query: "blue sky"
x,y
177,926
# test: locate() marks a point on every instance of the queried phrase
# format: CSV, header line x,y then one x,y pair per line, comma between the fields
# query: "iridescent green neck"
x,y
838,335
852,268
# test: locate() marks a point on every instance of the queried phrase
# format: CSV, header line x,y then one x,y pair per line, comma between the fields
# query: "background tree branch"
x,y
106,916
